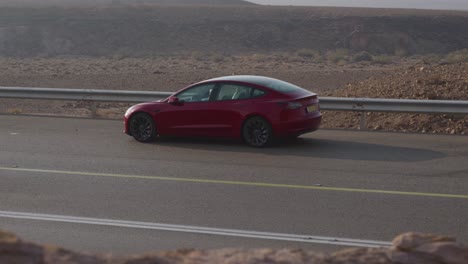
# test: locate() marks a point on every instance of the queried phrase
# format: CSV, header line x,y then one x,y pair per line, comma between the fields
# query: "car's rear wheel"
x,y
257,132
143,128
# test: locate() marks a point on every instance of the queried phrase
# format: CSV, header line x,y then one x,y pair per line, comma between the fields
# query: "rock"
x,y
7,237
447,252
14,251
228,256
409,241
401,257
410,248
359,256
415,248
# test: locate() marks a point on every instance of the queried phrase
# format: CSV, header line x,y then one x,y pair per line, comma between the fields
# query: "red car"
x,y
254,108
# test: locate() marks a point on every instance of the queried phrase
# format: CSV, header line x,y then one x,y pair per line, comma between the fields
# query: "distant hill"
x,y
419,4
141,30
189,2
75,3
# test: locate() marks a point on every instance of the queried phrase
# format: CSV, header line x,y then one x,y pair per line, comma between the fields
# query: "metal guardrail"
x,y
81,94
365,105
394,105
361,105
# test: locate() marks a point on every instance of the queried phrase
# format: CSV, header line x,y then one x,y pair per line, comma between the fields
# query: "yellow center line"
x,y
257,184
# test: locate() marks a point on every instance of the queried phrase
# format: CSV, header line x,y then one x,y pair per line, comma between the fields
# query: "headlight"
x,y
129,111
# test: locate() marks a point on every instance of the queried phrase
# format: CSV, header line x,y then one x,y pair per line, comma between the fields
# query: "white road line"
x,y
197,229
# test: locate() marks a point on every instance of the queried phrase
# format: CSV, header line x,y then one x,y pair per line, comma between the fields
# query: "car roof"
x,y
272,84
253,79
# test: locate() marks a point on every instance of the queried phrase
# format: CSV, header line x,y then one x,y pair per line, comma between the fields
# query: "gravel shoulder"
x,y
406,79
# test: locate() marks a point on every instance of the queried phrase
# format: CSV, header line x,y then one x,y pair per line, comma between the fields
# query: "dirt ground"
x,y
406,79
173,73
158,74
418,81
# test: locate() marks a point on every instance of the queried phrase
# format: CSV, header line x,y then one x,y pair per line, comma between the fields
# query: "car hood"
x,y
143,107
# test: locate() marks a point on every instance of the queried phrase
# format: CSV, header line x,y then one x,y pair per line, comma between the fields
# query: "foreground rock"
x,y
414,248
410,248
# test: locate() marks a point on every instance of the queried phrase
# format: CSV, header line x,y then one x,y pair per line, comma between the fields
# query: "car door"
x,y
192,116
233,102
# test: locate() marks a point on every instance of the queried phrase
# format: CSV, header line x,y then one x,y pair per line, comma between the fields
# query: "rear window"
x,y
282,86
257,92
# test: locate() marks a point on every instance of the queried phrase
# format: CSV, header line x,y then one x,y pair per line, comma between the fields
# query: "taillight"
x,y
293,105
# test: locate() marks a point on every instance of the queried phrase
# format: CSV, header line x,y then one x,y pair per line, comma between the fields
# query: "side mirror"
x,y
175,101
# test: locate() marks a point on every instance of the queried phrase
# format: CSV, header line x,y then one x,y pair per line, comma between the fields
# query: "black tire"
x,y
294,137
142,127
257,132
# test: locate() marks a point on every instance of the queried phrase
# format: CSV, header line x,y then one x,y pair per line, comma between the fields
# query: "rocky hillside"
x,y
410,248
148,30
436,82
82,3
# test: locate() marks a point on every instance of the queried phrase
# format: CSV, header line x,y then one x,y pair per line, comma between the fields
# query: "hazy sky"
x,y
423,4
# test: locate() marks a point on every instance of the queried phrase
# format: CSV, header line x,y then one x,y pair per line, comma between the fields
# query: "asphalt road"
x,y
344,184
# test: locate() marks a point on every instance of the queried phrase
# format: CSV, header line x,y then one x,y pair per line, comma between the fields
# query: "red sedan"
x,y
254,108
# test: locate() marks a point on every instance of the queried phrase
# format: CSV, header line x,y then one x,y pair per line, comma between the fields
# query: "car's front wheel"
x,y
142,127
257,132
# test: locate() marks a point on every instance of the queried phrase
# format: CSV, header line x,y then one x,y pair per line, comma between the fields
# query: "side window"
x,y
200,93
233,92
257,93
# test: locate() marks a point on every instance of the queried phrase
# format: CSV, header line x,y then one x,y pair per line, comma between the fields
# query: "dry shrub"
x,y
14,111
383,59
435,79
431,58
339,55
457,56
362,56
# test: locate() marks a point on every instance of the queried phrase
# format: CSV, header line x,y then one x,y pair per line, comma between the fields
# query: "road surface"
x,y
330,183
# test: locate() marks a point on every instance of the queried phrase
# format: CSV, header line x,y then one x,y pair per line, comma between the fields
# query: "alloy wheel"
x,y
257,132
142,127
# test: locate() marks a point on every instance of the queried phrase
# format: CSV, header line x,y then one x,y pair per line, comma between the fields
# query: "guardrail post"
x,y
363,123
93,109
